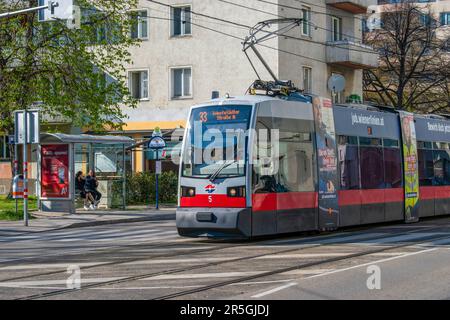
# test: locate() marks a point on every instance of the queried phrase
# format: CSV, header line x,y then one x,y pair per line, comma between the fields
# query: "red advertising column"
x,y
55,171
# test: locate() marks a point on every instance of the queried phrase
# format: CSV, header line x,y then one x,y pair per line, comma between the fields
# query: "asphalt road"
x,y
148,260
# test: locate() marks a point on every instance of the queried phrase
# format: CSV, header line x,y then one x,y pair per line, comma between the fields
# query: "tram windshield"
x,y
215,145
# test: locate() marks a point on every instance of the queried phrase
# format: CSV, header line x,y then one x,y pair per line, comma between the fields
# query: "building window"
x,y
139,24
138,84
181,83
181,21
306,23
307,79
445,18
4,148
336,29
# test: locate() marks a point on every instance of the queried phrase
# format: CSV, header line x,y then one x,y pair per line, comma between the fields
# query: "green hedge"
x,y
141,188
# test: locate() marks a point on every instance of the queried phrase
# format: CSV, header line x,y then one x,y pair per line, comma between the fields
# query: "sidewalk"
x,y
46,221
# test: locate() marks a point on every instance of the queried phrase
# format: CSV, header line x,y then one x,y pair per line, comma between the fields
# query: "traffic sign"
x,y
157,143
33,126
58,9
158,167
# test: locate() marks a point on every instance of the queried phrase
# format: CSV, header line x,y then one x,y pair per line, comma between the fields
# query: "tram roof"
x,y
247,99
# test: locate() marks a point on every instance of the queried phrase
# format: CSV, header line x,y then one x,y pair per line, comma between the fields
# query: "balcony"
x,y
355,7
352,55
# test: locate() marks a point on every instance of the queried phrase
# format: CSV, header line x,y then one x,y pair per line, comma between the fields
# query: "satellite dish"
x,y
336,83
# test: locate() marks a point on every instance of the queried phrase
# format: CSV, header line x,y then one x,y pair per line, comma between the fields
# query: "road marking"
x,y
145,288
204,275
26,284
387,254
161,261
306,272
188,287
304,255
371,263
402,238
50,266
265,293
335,238
152,236
178,249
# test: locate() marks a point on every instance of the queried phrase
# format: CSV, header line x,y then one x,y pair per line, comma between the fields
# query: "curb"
x,y
157,217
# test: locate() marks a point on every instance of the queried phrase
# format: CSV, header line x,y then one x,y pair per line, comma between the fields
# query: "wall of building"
x,y
311,52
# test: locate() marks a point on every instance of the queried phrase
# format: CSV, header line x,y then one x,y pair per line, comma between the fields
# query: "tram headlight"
x,y
236,191
187,192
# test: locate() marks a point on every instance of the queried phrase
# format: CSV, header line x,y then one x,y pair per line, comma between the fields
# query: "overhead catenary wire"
x,y
240,39
337,45
310,23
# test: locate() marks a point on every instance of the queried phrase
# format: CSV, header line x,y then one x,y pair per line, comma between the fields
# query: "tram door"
x,y
328,181
284,197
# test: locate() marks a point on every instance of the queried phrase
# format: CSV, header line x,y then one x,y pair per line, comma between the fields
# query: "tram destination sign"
x,y
222,114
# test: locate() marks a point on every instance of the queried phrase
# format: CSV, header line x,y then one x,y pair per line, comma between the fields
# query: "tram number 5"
x,y
203,116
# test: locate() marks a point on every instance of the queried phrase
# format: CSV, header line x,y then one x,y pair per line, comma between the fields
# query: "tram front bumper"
x,y
214,222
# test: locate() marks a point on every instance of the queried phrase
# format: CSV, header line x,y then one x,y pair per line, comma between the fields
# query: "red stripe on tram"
x,y
284,201
369,196
213,201
434,192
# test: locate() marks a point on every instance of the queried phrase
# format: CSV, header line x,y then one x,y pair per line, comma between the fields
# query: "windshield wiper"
x,y
214,176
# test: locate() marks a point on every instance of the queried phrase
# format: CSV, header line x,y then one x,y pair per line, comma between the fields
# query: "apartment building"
x,y
193,47
438,10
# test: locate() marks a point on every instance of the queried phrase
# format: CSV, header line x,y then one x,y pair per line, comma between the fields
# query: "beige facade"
x,y
208,56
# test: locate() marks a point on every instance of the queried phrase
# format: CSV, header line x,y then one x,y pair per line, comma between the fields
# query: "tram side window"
x,y
348,162
426,167
441,161
392,164
372,164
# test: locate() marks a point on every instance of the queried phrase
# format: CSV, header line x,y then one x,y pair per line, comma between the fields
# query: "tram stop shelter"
x,y
61,156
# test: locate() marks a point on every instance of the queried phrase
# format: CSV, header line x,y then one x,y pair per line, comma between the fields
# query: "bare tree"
x,y
414,72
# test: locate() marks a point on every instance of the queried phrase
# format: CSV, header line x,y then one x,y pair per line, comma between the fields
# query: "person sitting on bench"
x,y
91,187
87,197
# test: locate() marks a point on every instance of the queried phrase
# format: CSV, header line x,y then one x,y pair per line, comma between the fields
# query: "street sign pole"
x,y
157,181
157,143
25,168
16,168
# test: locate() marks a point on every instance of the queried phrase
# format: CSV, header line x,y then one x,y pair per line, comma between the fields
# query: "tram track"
x,y
118,249
291,268
246,278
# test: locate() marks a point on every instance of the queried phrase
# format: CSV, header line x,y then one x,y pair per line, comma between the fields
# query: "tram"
x,y
258,165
